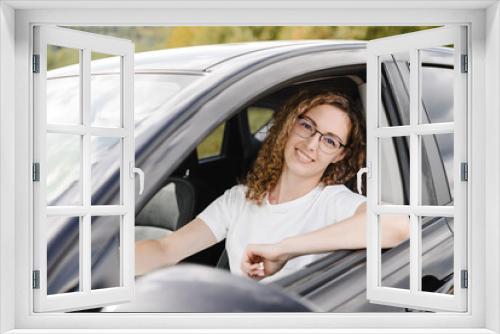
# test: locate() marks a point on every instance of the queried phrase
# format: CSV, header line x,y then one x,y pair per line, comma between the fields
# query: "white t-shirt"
x,y
242,222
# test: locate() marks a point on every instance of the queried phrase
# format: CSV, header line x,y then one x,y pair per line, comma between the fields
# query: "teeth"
x,y
303,156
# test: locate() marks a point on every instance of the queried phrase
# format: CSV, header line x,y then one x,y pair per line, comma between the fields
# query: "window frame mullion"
x,y
85,236
415,177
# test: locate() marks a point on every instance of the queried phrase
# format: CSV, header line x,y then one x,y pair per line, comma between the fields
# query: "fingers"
x,y
256,269
253,270
252,263
257,274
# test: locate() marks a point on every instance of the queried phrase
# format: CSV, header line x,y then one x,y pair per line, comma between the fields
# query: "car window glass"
x,y
437,153
258,117
393,192
211,146
439,107
438,104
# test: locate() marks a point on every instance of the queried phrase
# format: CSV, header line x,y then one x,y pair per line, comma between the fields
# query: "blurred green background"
x,y
156,38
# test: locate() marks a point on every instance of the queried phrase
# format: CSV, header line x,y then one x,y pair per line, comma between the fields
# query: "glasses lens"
x,y
304,128
329,144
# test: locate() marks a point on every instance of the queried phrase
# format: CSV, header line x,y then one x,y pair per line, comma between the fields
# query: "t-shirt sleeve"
x,y
345,203
221,212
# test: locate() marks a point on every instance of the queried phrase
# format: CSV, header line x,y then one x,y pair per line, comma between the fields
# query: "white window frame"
x,y
16,19
86,297
412,44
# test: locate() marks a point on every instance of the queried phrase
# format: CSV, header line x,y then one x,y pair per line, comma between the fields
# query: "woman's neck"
x,y
290,187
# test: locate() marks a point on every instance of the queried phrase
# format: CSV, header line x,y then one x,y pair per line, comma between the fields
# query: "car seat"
x,y
223,262
172,207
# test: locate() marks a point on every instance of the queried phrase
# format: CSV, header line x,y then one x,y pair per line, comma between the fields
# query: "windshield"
x,y
152,92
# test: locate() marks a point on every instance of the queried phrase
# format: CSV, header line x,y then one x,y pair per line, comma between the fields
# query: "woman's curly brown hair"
x,y
268,166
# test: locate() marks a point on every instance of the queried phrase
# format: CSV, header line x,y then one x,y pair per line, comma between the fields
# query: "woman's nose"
x,y
313,142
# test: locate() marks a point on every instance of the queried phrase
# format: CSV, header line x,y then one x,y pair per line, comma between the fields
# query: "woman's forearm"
x,y
347,234
188,240
151,254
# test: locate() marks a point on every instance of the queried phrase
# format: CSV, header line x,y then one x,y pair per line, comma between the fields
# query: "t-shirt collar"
x,y
286,206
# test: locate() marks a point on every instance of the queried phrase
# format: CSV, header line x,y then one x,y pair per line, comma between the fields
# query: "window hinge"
x,y
36,279
465,279
464,171
465,66
36,172
36,63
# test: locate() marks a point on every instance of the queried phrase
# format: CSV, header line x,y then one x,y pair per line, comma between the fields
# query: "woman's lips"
x,y
303,157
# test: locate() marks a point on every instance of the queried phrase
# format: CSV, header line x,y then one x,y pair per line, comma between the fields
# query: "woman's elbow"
x,y
398,232
404,232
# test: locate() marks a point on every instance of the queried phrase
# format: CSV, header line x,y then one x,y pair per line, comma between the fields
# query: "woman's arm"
x,y
349,233
188,240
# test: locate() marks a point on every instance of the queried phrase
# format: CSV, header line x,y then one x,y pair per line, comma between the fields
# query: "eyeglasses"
x,y
305,128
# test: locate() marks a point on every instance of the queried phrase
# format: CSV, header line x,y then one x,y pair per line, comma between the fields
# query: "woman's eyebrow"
x,y
312,121
326,133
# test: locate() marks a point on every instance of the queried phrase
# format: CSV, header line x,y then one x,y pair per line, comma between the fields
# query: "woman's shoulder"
x,y
335,189
237,191
239,188
339,191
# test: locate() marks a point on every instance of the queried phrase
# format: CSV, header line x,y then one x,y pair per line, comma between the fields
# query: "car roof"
x,y
203,57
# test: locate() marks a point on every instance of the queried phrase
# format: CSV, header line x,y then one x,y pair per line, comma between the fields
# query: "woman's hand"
x,y
262,260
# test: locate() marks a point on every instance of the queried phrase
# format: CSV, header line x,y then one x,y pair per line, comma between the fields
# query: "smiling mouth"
x,y
303,157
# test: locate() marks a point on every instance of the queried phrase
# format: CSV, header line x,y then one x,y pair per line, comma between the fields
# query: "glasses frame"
x,y
321,134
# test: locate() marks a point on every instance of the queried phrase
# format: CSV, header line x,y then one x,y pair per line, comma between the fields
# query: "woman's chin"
x,y
305,170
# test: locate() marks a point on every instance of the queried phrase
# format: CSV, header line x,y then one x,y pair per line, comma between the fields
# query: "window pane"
x,y
437,254
63,254
105,231
437,169
394,170
395,262
258,117
64,169
436,85
106,159
63,95
396,104
105,92
212,145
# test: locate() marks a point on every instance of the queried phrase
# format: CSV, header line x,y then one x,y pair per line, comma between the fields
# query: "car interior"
x,y
199,181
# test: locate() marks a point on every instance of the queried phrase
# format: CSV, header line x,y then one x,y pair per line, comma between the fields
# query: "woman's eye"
x,y
307,126
331,141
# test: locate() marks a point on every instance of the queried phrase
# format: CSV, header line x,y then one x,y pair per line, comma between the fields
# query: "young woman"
x,y
293,201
